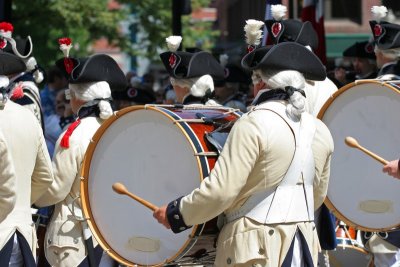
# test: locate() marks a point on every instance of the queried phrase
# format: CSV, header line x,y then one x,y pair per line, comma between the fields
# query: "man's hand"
x,y
160,214
392,168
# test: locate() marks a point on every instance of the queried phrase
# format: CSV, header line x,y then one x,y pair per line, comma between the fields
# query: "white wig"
x,y
393,54
197,86
280,79
92,91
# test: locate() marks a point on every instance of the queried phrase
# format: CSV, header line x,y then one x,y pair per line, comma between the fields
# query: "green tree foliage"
x,y
83,21
154,18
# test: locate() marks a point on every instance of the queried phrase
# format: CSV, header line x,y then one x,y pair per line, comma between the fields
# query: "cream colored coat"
x,y
64,243
255,158
32,167
8,195
317,93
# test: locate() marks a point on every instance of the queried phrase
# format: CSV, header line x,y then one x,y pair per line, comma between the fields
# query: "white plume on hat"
x,y
253,31
379,12
278,12
223,60
173,42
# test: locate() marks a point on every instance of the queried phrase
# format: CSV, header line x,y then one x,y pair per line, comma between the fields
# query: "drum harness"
x,y
291,195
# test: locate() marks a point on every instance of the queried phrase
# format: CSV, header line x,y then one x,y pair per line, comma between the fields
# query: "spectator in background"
x,y
55,123
56,81
363,60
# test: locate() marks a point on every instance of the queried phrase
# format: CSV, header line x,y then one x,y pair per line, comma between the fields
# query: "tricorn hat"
x,y
10,64
22,45
386,34
290,30
361,50
286,56
96,68
182,65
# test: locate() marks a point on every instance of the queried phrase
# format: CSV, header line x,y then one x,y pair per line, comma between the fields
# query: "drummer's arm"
x,y
222,187
8,179
323,159
65,166
42,176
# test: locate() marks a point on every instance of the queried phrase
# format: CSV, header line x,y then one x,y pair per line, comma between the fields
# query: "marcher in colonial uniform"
x,y
251,183
32,170
291,30
90,84
191,73
385,246
24,83
387,44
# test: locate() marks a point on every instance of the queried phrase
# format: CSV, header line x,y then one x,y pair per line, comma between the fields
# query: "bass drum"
x,y
158,153
359,193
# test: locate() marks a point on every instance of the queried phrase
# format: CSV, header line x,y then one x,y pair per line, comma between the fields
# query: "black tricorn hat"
x,y
292,30
286,56
23,45
361,50
386,35
96,68
182,65
234,74
137,95
10,64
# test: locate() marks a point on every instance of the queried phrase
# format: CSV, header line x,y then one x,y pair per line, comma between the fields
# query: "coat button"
x,y
49,241
175,203
76,240
261,251
271,232
182,228
176,217
228,260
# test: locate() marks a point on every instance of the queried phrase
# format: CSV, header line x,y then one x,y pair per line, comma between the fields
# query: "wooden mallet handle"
x,y
121,189
352,142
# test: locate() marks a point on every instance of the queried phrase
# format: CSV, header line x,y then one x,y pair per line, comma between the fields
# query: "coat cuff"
x,y
175,218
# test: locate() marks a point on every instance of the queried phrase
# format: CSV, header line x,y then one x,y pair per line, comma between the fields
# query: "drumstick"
x,y
121,189
352,142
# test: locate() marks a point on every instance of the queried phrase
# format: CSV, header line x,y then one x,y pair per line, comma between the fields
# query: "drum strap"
x,y
292,200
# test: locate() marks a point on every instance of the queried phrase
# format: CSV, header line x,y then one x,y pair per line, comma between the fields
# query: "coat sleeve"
x,y
42,176
323,162
66,163
7,181
218,191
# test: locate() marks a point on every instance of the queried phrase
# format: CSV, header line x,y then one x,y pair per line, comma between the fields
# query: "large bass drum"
x,y
159,153
359,193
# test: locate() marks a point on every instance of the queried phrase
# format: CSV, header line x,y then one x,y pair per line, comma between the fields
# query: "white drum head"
x,y
139,149
359,193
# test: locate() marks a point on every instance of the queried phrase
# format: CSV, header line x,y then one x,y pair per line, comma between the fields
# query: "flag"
x,y
313,11
268,16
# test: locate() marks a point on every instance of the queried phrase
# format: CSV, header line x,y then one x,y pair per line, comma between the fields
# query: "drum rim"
x,y
347,244
321,113
86,163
